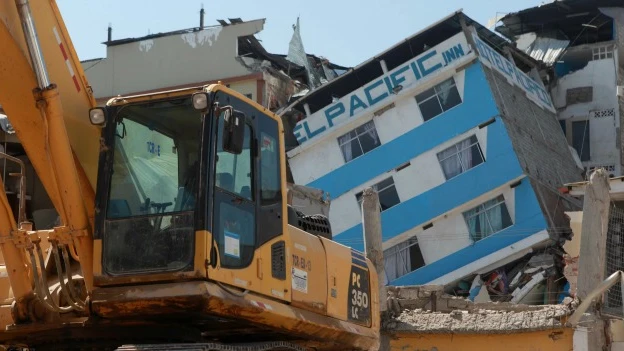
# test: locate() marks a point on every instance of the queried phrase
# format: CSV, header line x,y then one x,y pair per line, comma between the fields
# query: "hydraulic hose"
x,y
59,269
70,281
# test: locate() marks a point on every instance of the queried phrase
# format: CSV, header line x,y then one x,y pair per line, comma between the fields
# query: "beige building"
x,y
228,52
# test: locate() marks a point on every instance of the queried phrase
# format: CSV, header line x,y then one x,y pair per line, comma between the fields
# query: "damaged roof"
x,y
250,46
175,32
398,54
579,21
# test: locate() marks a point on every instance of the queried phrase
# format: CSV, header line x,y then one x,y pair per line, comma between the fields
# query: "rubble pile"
x,y
480,321
533,280
428,309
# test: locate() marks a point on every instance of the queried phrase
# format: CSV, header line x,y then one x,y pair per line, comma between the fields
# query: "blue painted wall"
x,y
528,221
501,166
478,106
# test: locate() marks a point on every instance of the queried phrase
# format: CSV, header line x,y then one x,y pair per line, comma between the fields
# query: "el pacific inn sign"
x,y
412,72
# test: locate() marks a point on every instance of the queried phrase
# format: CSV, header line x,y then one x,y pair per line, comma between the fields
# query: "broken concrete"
x,y
432,298
426,309
481,321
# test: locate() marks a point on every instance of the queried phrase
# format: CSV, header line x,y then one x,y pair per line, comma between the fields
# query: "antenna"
x,y
201,17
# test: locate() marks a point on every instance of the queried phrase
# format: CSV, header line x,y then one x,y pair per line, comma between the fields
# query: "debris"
x,y
477,283
482,321
521,293
482,296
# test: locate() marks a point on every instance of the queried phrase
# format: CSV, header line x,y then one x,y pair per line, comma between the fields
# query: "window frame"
x,y
457,154
501,202
602,52
436,96
358,195
357,137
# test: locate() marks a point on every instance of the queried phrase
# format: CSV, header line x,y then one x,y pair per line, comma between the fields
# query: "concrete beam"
x,y
596,205
371,221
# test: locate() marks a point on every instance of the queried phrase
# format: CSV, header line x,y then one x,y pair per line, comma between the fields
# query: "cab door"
x,y
247,221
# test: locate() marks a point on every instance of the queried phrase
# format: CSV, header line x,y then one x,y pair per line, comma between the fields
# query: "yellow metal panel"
x,y
309,271
97,258
65,71
547,340
257,276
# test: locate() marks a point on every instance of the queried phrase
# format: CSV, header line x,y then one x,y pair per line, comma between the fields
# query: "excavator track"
x,y
262,346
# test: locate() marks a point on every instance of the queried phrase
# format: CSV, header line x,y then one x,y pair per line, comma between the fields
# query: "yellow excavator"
x,y
174,230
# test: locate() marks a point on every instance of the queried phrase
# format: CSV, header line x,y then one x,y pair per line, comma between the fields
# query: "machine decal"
x,y
302,263
358,303
67,62
300,280
232,244
357,258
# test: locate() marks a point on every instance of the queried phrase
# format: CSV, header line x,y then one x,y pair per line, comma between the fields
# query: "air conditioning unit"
x,y
620,90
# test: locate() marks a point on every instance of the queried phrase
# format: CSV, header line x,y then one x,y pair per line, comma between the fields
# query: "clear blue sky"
x,y
347,32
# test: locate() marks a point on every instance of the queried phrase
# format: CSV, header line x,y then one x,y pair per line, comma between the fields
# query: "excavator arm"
x,y
46,97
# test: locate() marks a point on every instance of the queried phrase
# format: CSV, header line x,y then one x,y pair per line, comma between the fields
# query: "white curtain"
x,y
397,260
466,153
452,159
443,90
450,162
346,146
487,222
369,128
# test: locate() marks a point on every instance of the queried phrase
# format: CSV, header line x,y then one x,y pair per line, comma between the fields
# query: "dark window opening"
x,y
580,139
438,99
388,196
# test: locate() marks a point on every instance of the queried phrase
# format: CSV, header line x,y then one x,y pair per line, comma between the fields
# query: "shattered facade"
x,y
229,53
424,318
580,47
460,139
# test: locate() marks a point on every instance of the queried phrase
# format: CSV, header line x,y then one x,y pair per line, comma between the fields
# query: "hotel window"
x,y
387,192
488,218
438,99
359,141
402,258
461,157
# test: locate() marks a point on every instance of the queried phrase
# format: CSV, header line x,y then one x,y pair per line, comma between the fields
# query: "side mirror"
x,y
233,130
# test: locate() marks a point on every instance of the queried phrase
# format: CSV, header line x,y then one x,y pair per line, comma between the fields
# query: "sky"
x,y
347,32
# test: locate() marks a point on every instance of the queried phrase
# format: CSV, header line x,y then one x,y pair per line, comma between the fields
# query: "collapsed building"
x,y
228,52
579,45
455,130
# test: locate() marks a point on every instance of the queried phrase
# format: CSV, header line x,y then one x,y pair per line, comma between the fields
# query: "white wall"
x,y
171,60
602,75
423,174
325,156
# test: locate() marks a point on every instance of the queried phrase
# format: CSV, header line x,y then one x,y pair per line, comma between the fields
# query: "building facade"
x,y
229,53
581,46
461,144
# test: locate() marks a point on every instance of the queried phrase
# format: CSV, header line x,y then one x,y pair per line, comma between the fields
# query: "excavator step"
x,y
261,346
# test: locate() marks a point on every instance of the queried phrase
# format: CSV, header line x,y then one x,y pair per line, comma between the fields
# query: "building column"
x,y
590,332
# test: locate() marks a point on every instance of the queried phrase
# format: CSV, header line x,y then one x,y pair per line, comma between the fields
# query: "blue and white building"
x,y
459,137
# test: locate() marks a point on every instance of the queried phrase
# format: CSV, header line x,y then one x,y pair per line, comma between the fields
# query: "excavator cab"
x,y
192,220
